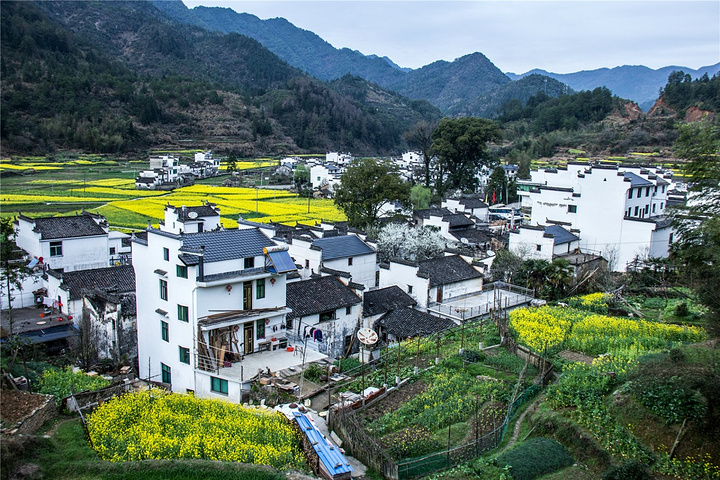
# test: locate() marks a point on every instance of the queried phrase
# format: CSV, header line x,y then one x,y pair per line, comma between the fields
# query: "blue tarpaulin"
x,y
334,463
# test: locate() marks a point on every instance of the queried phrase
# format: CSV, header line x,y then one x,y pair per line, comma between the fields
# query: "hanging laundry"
x,y
317,335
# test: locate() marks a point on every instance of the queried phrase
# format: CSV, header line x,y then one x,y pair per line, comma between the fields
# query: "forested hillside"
x,y
118,76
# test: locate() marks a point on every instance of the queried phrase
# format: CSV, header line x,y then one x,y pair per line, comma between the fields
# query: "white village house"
x,y
204,301
617,212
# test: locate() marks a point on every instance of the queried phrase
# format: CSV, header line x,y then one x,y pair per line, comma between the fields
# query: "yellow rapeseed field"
x,y
155,424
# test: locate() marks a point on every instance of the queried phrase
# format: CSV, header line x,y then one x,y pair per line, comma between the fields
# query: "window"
x,y
325,316
647,209
672,237
348,310
630,193
260,288
184,355
289,323
183,313
166,373
260,329
647,191
663,189
164,331
349,261
572,209
250,262
166,254
112,250
654,207
163,290
181,271
410,288
538,248
637,210
661,205
218,385
307,263
56,249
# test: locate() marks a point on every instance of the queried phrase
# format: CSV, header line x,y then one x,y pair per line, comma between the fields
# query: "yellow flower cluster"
x,y
154,424
553,328
543,328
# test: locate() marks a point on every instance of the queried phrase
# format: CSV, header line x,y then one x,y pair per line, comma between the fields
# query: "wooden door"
x,y
439,294
248,336
247,295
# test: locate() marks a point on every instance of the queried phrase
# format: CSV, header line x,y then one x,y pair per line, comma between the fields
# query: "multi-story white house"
x,y
204,301
343,253
432,281
77,242
327,174
617,212
201,218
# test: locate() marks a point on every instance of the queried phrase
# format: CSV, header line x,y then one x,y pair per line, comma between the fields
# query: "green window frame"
x,y
182,312
166,373
163,290
166,254
184,354
164,330
181,271
260,329
260,288
218,385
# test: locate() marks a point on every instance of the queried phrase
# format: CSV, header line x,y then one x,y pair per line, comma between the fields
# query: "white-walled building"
x,y
204,301
470,205
617,212
77,242
195,219
434,280
328,174
68,288
325,314
542,243
344,253
339,158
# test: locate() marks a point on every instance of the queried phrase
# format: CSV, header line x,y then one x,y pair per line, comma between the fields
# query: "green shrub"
x,y
682,310
671,399
473,356
313,372
534,458
627,471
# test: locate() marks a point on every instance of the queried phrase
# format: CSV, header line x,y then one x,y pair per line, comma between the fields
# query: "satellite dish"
x,y
367,336
192,215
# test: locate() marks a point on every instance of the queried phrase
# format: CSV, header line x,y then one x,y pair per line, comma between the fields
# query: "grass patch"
x,y
534,458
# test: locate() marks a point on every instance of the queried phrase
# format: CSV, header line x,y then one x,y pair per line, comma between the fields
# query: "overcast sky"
x,y
517,36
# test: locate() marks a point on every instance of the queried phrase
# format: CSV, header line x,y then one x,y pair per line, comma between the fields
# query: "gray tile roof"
x,y
51,228
341,247
446,270
458,220
221,245
434,212
385,299
183,213
472,235
317,295
473,203
561,235
116,279
637,180
407,322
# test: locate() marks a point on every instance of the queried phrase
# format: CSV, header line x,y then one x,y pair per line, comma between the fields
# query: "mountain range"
x,y
458,87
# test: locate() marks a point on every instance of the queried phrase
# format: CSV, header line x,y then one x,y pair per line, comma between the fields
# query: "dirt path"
x,y
53,430
518,423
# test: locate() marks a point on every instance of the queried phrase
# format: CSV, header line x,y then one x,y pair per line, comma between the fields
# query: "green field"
x,y
40,186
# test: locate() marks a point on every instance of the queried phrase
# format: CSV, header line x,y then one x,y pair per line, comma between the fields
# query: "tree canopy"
x,y
420,137
461,145
365,186
698,223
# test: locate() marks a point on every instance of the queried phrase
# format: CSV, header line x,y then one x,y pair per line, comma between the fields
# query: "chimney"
x,y
201,266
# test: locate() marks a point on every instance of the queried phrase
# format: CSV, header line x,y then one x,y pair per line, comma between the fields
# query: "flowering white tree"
x,y
407,243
